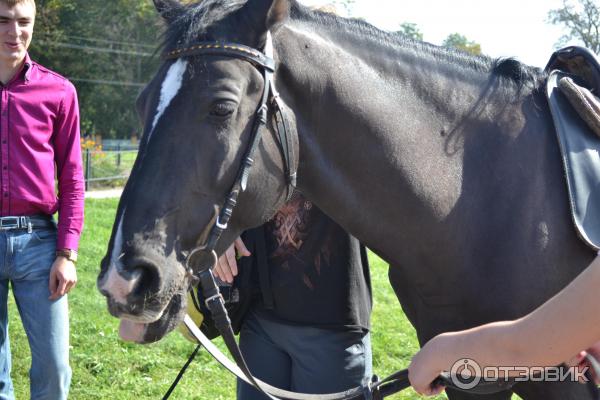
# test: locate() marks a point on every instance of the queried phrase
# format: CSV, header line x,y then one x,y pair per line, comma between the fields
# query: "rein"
x,y
202,259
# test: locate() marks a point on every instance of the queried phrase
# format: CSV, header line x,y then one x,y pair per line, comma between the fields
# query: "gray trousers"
x,y
303,359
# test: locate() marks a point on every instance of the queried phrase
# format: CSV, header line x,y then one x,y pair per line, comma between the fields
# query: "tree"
x,y
458,41
107,50
410,30
345,4
582,21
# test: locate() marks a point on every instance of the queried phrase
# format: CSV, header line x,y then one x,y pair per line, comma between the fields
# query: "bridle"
x,y
202,259
265,64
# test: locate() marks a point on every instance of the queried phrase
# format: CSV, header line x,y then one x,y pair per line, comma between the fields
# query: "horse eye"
x,y
222,109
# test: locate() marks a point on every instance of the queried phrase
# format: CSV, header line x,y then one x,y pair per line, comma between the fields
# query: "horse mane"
x,y
194,20
518,72
508,68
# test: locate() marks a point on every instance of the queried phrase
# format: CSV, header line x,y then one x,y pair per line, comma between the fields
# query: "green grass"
x,y
106,368
109,164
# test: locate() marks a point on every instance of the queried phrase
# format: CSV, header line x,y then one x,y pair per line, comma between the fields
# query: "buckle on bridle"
x,y
219,224
216,297
199,260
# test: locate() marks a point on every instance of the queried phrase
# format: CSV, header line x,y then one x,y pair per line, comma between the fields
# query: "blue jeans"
x,y
303,359
25,262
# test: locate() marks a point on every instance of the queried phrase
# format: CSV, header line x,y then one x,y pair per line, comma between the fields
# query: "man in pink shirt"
x,y
39,140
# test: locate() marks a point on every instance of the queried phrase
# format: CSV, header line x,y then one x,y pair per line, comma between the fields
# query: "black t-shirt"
x,y
316,273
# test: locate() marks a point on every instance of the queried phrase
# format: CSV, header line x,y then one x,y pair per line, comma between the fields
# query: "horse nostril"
x,y
147,278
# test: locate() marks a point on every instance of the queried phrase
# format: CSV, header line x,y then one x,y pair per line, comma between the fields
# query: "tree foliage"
x,y
410,30
458,41
581,18
107,49
346,5
455,40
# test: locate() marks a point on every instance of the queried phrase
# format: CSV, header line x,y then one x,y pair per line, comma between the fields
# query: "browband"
x,y
234,50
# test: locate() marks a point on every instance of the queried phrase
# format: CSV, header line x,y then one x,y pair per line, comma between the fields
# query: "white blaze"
x,y
114,283
118,244
169,89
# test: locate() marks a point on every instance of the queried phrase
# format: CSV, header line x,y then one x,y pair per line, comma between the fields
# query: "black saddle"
x,y
572,88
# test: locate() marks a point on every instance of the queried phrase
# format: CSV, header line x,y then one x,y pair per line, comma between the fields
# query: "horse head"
x,y
199,114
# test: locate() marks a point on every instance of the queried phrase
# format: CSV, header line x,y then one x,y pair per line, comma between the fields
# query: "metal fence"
x,y
107,168
119,144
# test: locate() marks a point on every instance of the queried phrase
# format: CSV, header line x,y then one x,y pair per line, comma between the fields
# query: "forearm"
x,y
70,214
565,324
492,344
71,185
548,336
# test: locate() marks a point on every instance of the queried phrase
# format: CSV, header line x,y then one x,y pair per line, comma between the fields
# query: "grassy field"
x,y
106,368
108,168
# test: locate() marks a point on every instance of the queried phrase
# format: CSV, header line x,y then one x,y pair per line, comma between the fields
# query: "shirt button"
x,y
5,194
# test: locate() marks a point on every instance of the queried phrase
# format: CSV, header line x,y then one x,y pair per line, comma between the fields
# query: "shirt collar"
x,y
23,73
27,68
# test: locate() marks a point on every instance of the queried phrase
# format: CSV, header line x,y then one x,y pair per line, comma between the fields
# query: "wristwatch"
x,y
69,254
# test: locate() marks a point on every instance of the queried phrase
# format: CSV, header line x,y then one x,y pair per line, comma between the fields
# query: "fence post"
x,y
88,169
118,155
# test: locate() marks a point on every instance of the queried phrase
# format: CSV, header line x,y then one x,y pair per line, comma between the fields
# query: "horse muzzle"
x,y
144,333
147,294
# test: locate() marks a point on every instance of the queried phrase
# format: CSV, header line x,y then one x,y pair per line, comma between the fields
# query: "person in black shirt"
x,y
307,330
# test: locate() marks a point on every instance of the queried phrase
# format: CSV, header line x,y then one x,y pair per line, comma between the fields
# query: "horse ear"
x,y
267,13
279,12
168,9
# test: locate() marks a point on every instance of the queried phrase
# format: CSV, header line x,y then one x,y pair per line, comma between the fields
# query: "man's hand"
x,y
63,277
226,268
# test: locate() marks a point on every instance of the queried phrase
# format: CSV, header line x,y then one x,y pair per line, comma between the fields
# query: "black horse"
x,y
445,164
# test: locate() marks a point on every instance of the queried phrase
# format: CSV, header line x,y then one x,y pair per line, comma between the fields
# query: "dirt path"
x,y
103,194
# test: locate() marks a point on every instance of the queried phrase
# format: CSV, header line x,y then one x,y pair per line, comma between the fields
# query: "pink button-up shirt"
x,y
39,140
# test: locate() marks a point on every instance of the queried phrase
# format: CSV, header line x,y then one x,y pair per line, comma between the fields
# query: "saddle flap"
x,y
581,161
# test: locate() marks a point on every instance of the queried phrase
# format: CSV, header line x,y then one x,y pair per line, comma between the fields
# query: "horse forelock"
x,y
195,19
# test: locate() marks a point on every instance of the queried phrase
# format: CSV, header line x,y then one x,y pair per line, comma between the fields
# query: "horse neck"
x,y
370,117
